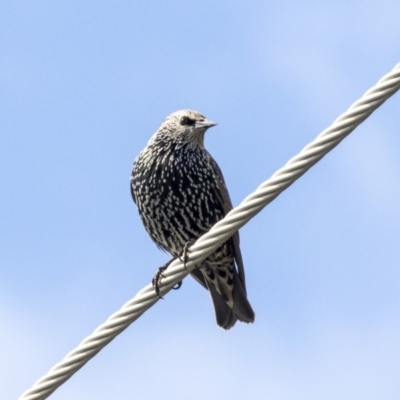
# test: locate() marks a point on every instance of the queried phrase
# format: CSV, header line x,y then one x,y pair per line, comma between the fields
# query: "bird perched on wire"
x,y
180,193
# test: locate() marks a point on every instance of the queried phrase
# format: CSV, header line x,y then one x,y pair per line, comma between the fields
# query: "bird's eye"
x,y
187,121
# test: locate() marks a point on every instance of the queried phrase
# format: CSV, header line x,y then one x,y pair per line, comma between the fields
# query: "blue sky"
x,y
84,85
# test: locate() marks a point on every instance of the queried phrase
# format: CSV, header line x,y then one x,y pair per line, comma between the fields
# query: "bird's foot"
x,y
177,286
157,277
184,254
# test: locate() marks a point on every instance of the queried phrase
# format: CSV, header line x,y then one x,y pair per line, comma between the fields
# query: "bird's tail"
x,y
237,307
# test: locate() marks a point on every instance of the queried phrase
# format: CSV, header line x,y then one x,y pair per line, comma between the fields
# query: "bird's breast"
x,y
175,197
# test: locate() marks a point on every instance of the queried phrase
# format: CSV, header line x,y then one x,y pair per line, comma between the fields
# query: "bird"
x,y
180,194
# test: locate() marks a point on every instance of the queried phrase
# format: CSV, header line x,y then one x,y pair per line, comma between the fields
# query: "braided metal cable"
x,y
220,232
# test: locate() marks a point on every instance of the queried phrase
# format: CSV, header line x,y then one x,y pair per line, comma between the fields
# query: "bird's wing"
x,y
222,194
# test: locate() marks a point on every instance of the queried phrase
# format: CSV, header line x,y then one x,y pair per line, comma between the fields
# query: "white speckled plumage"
x,y
180,194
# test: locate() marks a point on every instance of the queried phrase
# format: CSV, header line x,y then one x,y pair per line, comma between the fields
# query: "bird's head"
x,y
186,126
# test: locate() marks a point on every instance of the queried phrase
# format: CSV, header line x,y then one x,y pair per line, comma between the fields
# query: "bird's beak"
x,y
204,124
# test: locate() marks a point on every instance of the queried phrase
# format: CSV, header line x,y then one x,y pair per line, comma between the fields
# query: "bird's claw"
x,y
184,254
157,278
177,286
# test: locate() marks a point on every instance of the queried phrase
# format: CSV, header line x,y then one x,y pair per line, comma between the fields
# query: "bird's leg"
x,y
159,274
183,257
157,277
184,254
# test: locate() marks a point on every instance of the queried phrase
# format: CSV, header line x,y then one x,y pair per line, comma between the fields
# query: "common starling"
x,y
180,193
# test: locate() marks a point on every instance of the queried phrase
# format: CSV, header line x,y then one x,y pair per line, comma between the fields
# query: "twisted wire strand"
x,y
220,232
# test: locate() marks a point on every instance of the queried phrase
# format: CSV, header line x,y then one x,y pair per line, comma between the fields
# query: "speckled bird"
x,y
181,193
